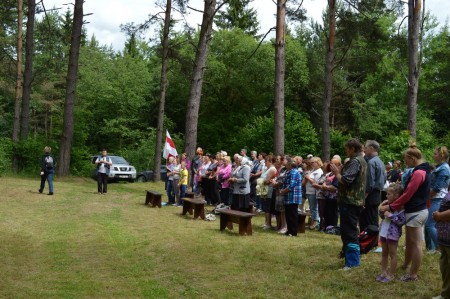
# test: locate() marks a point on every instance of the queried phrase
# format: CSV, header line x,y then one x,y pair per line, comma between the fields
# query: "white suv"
x,y
120,170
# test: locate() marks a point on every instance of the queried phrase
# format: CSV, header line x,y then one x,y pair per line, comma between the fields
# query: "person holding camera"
x,y
103,163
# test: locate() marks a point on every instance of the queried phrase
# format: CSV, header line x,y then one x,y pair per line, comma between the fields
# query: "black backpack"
x,y
368,239
48,162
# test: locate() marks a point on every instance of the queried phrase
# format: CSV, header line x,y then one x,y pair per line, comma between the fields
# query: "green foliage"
x,y
435,77
301,138
238,15
80,161
338,140
6,147
394,146
29,153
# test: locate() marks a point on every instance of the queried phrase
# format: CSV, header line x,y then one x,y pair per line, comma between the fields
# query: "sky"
x,y
108,15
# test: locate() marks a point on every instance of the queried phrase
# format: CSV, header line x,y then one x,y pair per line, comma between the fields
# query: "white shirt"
x,y
102,168
315,175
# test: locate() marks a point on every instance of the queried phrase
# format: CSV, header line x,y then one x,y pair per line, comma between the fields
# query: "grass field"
x,y
78,244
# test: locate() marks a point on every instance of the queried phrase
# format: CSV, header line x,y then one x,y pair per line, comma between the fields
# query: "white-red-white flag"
x,y
169,147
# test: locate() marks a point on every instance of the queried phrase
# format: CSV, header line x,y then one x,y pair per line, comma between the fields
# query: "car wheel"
x,y
140,179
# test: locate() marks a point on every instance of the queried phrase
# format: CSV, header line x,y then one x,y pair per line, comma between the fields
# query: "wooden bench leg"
x,y
185,208
158,201
199,211
196,212
301,224
223,222
245,226
148,198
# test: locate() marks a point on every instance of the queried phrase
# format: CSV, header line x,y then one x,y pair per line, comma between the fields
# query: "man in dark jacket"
x,y
351,191
47,169
376,177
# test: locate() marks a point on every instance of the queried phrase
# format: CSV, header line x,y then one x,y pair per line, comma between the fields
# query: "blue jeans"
x,y
431,239
313,206
258,202
182,193
47,176
170,193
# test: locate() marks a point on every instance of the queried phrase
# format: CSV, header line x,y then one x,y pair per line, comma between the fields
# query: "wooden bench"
x,y
196,205
302,221
228,217
154,198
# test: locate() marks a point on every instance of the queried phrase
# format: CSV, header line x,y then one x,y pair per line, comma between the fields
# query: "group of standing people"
x,y
273,184
359,192
420,201
177,179
417,198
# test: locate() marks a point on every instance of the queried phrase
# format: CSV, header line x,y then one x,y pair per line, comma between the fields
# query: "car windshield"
x,y
118,160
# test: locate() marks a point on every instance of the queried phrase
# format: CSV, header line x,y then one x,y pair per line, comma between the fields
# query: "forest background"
x,y
118,91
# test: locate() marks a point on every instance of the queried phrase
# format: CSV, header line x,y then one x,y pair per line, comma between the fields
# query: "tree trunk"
x,y
195,92
414,9
71,81
278,133
18,92
328,94
162,94
27,76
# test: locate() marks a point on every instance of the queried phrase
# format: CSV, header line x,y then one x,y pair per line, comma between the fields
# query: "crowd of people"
x,y
354,194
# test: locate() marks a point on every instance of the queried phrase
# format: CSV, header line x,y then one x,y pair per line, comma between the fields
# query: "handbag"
x,y
279,203
261,189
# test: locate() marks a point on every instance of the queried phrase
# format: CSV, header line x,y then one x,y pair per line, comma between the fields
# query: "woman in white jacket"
x,y
240,179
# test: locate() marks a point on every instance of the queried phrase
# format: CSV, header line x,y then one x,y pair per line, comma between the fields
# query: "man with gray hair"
x,y
245,159
376,177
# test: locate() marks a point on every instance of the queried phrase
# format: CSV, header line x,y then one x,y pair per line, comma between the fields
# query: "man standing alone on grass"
x,y
47,169
103,163
376,178
351,194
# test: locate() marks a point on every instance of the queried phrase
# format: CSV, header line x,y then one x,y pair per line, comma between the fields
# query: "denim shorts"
x,y
417,219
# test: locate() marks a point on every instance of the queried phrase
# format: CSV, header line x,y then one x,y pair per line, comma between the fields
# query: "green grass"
x,y
78,244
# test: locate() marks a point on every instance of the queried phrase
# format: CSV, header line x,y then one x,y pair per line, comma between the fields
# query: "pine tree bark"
x,y
28,73
279,119
18,90
195,93
163,88
328,94
414,11
71,81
